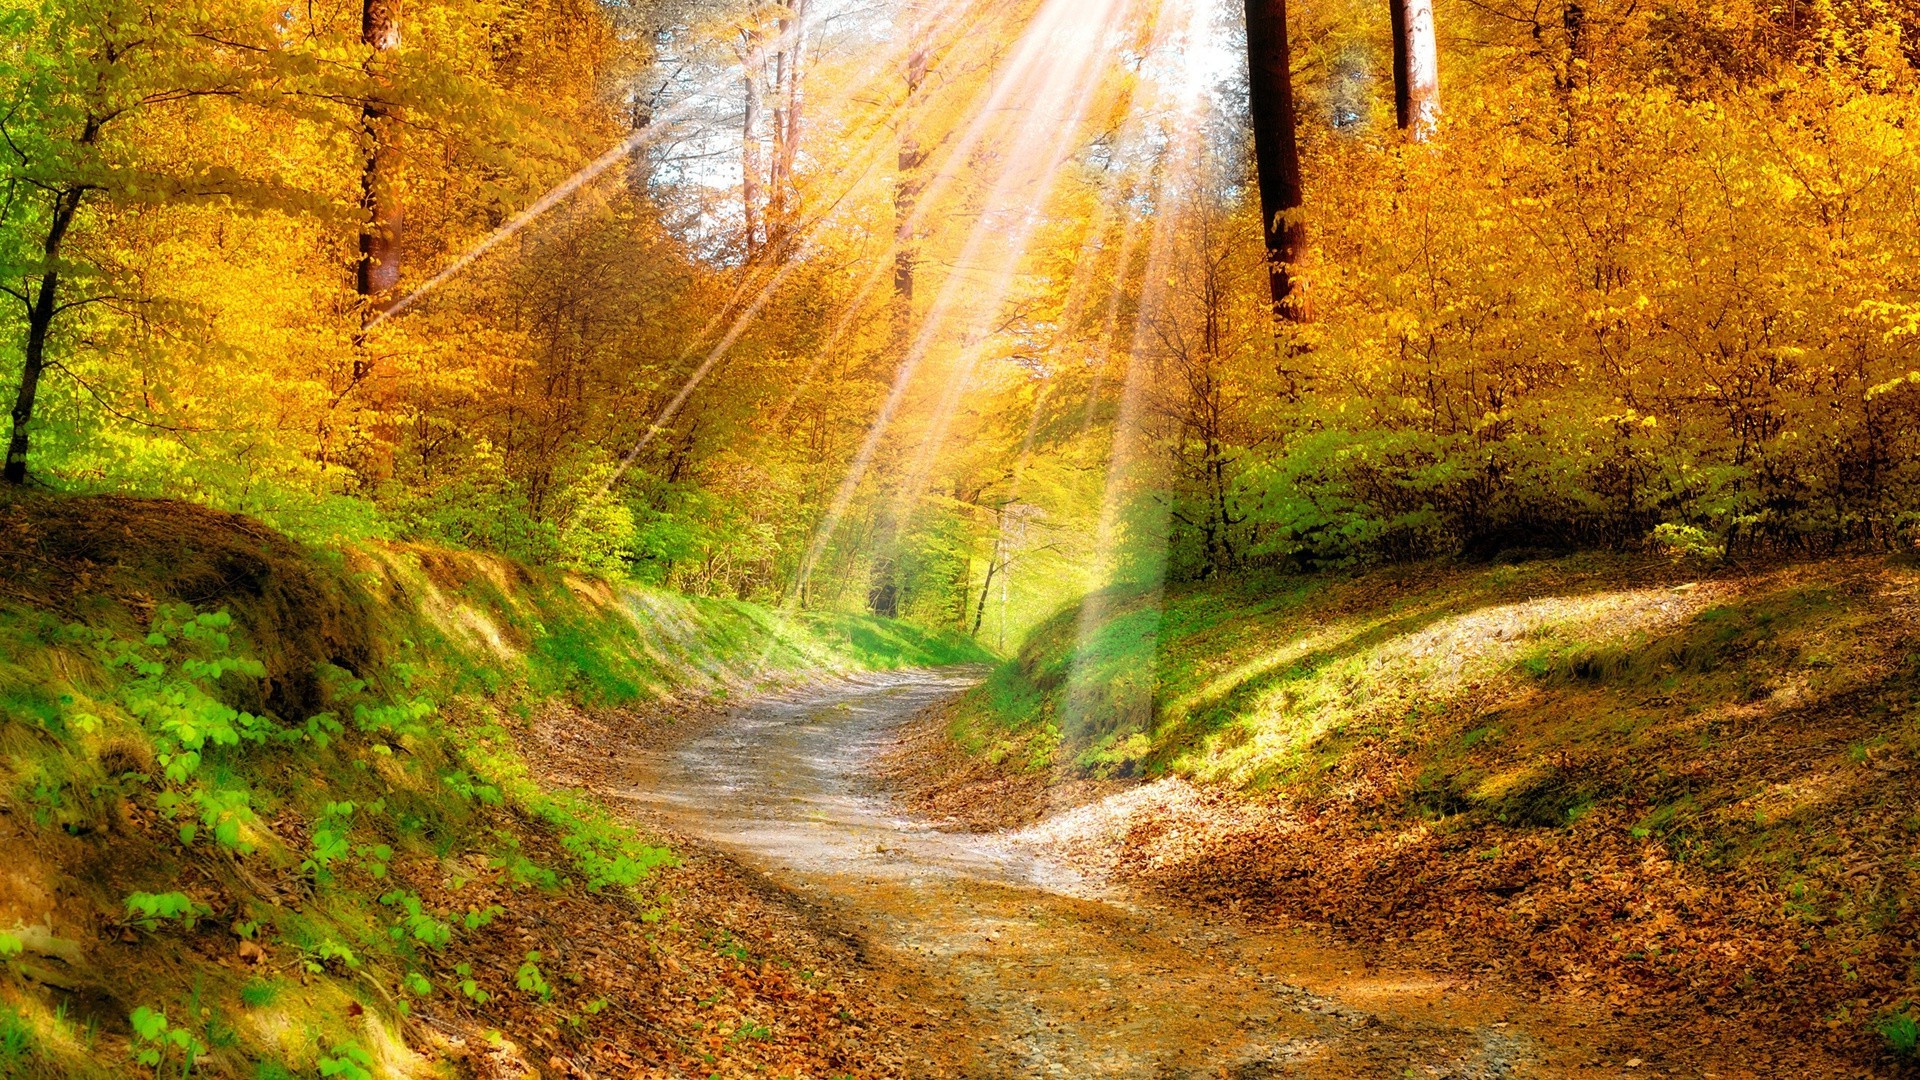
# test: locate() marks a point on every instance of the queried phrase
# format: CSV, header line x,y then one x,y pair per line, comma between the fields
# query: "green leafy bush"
x,y
469,986
332,842
416,924
149,910
347,1061
156,1043
330,952
529,979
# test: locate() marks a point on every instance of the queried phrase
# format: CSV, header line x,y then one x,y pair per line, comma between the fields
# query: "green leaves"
x,y
149,910
393,718
347,1061
331,843
1901,1034
529,979
175,667
416,923
480,917
330,952
469,986
156,1042
472,789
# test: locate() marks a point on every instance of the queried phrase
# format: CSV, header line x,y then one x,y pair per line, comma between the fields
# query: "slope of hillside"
x,y
265,814
1685,792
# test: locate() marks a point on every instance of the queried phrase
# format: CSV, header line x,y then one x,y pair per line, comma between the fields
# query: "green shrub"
x,y
148,910
1688,541
529,979
416,924
469,986
332,842
156,1043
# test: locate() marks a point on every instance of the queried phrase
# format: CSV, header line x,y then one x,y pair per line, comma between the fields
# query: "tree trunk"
x,y
986,590
40,315
1276,153
782,198
883,587
906,190
1573,20
750,163
1416,68
383,216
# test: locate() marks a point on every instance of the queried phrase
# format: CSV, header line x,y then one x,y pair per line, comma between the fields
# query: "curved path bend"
x,y
1064,976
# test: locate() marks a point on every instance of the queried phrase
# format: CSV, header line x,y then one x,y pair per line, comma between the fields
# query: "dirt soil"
x,y
764,980
1018,953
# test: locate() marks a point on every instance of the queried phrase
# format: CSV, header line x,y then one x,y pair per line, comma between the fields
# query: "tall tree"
x,y
753,58
788,67
883,585
1416,68
383,215
1276,153
907,181
80,79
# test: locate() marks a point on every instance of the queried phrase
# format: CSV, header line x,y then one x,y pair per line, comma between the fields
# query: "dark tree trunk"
x,y
1573,20
383,216
996,562
1402,96
883,589
40,314
1276,153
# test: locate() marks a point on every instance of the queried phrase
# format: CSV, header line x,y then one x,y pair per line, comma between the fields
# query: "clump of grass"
x,y
1902,1035
16,1042
259,993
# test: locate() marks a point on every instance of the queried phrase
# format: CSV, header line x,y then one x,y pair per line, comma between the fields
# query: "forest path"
x,y
1062,976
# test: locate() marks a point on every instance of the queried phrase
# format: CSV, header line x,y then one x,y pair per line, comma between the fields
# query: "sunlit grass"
x,y
1382,671
1484,675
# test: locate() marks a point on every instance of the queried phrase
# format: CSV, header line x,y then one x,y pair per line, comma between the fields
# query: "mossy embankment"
x,y
264,814
1687,792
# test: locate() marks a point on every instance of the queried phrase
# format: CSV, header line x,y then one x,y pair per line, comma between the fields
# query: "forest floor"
x,y
1584,817
1012,952
1675,800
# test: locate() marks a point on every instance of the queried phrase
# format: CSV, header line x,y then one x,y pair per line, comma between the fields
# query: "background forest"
x,y
921,311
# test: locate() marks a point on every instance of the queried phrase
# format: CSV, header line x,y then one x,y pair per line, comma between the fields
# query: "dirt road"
x,y
1065,976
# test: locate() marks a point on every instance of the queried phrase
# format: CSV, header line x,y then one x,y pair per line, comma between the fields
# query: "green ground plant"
x,y
1902,1034
149,910
163,1047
